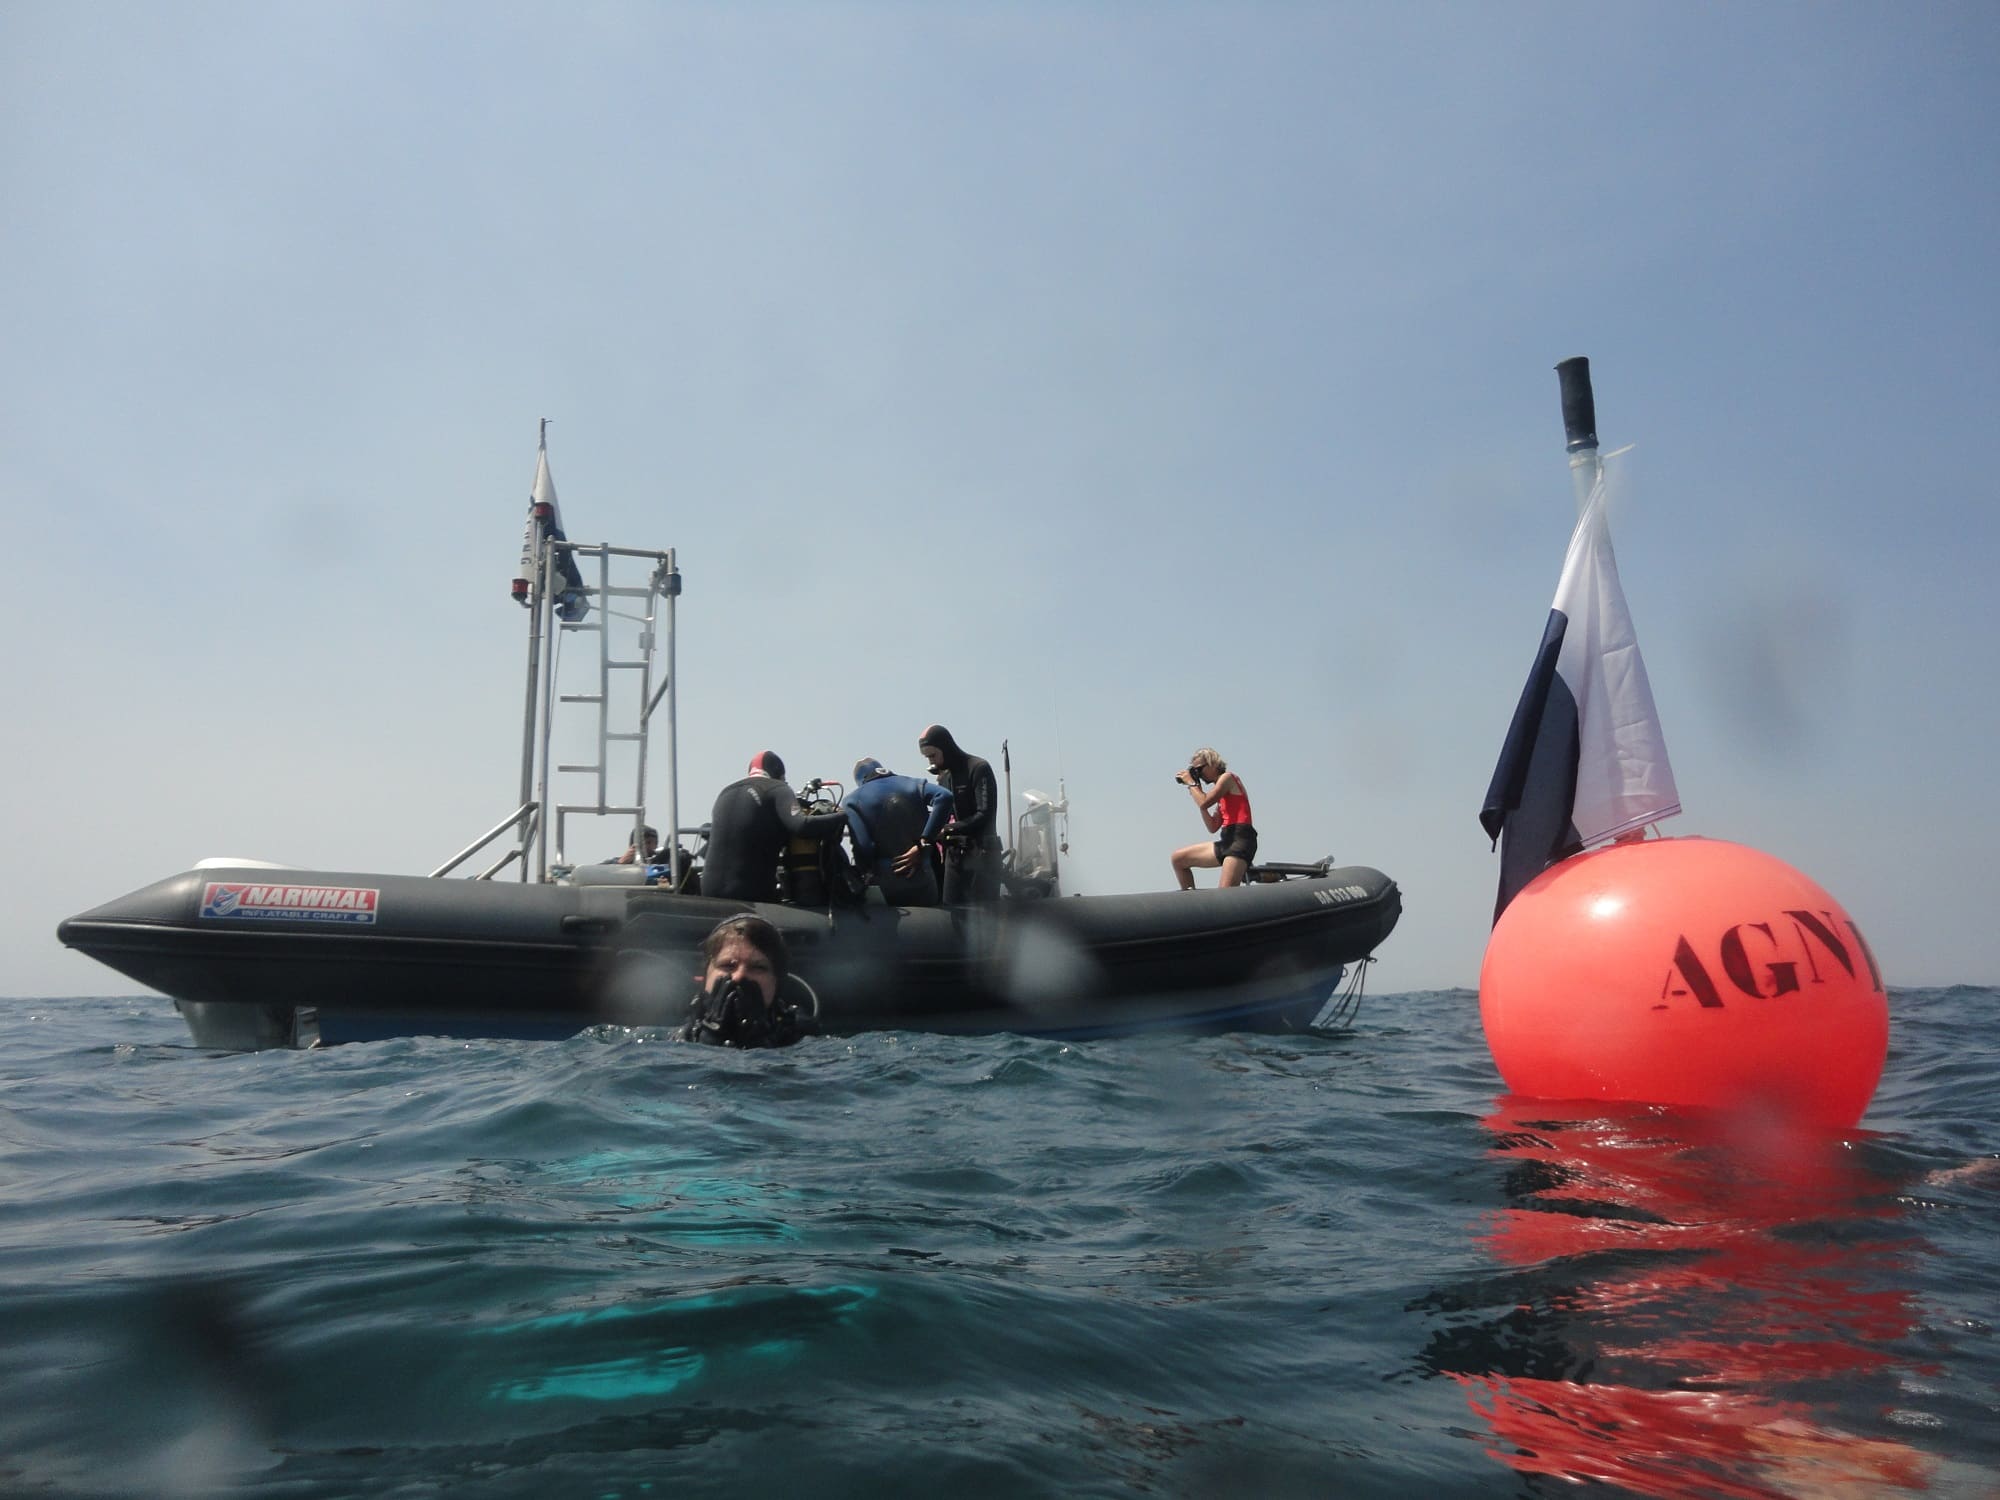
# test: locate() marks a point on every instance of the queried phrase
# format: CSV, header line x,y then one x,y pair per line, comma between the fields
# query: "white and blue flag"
x,y
1584,761
572,603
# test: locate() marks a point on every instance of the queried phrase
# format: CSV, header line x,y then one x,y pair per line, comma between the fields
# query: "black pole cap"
x,y
1579,406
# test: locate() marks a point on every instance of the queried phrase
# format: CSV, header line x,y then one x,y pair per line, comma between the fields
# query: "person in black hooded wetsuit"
x,y
972,841
752,822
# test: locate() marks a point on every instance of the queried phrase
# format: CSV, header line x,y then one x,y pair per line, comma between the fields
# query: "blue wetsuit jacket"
x,y
882,818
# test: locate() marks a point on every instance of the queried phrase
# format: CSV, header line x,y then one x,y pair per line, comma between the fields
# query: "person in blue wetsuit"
x,y
891,819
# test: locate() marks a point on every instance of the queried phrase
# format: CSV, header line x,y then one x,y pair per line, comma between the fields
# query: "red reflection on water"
x,y
1692,1264
1676,1444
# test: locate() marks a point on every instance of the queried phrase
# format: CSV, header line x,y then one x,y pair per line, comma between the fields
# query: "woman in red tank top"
x,y
1224,805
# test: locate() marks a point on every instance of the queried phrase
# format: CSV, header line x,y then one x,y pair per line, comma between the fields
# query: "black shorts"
x,y
1238,841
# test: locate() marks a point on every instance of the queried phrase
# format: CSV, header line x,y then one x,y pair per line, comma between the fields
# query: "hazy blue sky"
x,y
1112,379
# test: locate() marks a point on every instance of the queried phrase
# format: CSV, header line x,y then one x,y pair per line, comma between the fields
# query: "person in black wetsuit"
x,y
752,822
740,1002
972,841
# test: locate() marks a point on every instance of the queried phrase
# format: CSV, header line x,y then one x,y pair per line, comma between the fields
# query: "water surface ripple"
x,y
902,1264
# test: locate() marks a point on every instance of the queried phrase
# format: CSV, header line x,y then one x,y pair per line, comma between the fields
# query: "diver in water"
x,y
738,1004
752,822
892,819
972,839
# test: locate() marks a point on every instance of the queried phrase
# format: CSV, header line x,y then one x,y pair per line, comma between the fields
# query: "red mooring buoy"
x,y
1685,971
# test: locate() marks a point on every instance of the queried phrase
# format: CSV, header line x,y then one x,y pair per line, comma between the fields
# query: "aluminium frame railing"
x,y
630,622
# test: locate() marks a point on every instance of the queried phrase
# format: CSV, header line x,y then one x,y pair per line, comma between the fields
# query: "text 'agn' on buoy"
x,y
1685,971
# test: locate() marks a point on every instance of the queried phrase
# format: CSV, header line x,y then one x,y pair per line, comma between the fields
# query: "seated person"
x,y
738,1005
633,853
753,820
891,819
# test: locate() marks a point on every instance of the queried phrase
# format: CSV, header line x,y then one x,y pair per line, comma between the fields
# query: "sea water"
x,y
903,1264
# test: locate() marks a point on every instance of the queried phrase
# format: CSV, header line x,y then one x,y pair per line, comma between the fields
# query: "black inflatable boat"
x,y
261,957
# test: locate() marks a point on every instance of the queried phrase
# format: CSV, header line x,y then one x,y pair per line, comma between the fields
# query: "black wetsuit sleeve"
x,y
981,818
814,825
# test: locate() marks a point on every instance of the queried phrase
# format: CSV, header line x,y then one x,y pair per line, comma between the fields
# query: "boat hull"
x,y
257,958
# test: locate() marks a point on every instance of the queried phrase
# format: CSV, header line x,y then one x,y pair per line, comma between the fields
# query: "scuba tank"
x,y
804,876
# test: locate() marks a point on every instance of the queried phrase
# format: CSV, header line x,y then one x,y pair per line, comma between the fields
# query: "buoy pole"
x,y
1580,427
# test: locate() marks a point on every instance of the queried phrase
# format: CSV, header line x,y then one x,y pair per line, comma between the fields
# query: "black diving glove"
x,y
735,1015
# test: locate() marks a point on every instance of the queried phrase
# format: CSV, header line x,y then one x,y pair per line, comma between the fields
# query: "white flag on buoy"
x,y
1584,760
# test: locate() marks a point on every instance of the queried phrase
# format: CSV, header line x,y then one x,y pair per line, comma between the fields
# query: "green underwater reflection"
x,y
678,1198
611,1380
629,1351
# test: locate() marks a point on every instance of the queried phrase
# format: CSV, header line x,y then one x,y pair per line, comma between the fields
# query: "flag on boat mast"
x,y
1584,760
571,602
